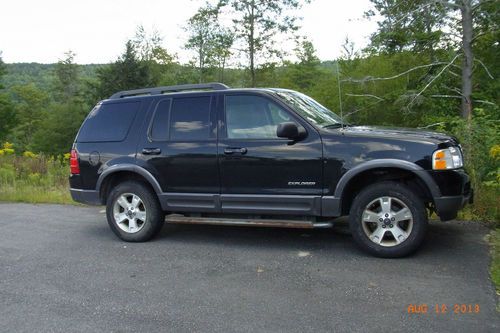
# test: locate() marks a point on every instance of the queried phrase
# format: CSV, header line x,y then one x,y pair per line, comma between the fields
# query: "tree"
x,y
419,26
30,107
7,115
258,23
58,127
201,30
209,40
66,82
128,72
151,53
149,49
3,70
221,52
303,74
408,25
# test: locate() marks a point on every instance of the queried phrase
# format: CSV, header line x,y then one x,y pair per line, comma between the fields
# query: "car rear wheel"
x,y
133,212
388,220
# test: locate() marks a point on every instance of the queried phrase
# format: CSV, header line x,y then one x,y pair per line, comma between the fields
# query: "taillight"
x,y
73,163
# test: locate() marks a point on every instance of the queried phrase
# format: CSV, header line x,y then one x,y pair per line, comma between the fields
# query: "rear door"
x,y
180,150
263,173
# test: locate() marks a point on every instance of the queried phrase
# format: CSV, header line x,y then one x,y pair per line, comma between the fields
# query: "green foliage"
x,y
30,107
57,130
480,141
494,240
41,75
128,72
257,23
303,74
408,25
7,116
34,178
209,40
2,69
66,80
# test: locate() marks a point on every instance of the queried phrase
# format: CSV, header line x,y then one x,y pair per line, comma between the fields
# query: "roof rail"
x,y
162,90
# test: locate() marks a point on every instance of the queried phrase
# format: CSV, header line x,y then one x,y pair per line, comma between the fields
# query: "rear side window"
x,y
159,127
108,122
190,119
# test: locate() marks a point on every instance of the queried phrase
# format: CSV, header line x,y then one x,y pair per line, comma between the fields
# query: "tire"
x,y
133,212
388,220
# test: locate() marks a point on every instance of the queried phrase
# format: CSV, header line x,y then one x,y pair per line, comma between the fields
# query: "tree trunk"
x,y
200,80
223,66
251,44
467,31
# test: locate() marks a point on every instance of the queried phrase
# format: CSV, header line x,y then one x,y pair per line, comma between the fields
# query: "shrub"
x,y
33,177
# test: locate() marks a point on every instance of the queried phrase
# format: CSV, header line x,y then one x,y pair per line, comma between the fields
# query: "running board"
x,y
178,219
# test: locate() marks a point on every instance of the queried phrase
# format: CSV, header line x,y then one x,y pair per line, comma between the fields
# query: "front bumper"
x,y
88,197
456,192
448,207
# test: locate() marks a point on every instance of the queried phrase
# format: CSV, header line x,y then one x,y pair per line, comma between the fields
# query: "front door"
x,y
260,172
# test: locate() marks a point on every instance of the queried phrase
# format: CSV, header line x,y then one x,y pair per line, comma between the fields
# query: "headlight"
x,y
449,158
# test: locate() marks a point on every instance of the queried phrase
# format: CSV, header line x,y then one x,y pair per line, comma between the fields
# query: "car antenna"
x,y
340,98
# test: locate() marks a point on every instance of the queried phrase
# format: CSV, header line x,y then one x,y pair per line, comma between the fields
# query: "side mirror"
x,y
290,130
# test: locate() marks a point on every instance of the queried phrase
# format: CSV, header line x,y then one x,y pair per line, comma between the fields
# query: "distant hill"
x,y
39,74
42,74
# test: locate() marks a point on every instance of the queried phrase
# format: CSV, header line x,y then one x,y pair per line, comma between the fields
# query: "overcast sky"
x,y
96,30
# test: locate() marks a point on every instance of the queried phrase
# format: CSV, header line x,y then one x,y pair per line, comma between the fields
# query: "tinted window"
x,y
190,118
253,117
108,122
159,127
310,109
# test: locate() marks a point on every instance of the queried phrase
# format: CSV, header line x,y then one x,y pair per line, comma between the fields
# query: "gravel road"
x,y
62,270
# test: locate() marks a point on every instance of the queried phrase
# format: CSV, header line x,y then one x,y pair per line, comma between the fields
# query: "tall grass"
x,y
34,178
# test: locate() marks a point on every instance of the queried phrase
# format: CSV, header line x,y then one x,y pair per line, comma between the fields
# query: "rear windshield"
x,y
108,122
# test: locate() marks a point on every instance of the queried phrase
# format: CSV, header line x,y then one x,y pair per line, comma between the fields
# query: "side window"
x,y
108,122
253,117
190,118
159,126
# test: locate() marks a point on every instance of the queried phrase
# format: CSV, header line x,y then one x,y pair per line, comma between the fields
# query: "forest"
x,y
430,65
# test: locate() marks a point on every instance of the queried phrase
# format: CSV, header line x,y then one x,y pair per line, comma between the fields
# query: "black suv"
x,y
262,157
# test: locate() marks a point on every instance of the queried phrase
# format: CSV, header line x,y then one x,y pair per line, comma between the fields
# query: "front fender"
x,y
332,205
388,163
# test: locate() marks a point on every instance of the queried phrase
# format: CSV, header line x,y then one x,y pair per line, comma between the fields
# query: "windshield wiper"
x,y
336,125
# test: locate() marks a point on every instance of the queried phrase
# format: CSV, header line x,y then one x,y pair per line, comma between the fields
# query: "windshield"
x,y
310,109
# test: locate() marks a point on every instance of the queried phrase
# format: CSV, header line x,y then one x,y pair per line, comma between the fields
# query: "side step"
x,y
179,219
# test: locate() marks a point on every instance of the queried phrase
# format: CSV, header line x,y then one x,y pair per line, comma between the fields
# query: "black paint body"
x,y
310,176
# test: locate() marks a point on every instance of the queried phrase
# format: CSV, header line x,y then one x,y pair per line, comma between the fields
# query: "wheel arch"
x,y
376,171
115,174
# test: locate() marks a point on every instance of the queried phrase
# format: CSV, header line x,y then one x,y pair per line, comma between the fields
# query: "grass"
x,y
494,241
58,195
34,179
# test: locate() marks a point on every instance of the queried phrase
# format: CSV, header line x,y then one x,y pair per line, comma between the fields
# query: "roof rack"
x,y
162,90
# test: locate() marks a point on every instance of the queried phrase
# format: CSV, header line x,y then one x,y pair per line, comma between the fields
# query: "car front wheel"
x,y
388,220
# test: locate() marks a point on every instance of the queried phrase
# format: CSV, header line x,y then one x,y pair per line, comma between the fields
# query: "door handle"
x,y
230,151
151,151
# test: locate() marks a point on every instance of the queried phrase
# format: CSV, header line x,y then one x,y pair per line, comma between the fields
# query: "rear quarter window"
x,y
109,122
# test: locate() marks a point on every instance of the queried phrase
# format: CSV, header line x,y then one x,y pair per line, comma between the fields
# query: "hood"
x,y
400,133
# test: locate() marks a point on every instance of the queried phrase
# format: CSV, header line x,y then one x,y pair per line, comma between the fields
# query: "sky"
x,y
96,30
